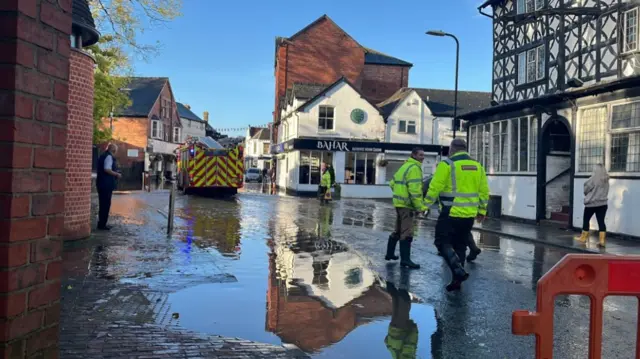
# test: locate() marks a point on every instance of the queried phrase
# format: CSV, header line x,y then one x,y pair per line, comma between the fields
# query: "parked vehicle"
x,y
253,175
204,164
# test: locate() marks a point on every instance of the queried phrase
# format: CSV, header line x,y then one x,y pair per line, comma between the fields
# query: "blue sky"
x,y
219,55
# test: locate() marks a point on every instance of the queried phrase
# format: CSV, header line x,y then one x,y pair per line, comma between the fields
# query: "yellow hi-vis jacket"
x,y
407,186
325,180
402,343
461,185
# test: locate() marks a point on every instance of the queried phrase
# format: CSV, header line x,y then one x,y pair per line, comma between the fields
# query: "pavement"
x,y
262,276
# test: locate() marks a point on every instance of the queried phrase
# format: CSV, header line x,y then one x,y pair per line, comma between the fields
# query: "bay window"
x,y
505,146
531,65
630,31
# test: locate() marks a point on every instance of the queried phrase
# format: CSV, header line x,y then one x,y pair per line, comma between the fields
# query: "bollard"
x,y
172,201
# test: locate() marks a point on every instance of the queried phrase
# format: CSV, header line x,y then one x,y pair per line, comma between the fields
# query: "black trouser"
x,y
455,235
441,231
104,201
600,213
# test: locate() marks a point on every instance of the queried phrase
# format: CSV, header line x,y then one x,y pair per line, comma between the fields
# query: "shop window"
x,y
360,168
309,169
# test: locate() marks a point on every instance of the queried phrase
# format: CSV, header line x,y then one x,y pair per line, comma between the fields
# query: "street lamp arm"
x,y
455,106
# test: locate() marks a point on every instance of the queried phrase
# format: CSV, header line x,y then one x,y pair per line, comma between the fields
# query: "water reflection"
x,y
402,337
219,229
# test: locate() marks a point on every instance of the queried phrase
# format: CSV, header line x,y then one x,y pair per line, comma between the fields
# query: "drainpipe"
x,y
421,121
433,129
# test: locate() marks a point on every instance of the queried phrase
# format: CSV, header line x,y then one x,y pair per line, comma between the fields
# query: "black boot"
x,y
457,271
405,254
474,251
391,247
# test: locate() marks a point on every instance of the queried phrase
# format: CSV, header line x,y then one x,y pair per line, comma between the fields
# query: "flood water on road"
x,y
287,271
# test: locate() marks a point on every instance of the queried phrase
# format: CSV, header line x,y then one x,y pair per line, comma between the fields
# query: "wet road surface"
x,y
283,272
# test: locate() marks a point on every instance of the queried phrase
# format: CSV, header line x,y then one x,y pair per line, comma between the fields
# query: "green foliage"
x,y
125,20
108,96
121,22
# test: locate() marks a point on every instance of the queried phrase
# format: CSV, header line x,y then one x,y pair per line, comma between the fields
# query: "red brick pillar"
x,y
34,52
77,218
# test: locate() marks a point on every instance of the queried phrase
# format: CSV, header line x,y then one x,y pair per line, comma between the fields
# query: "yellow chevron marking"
x,y
200,182
233,171
222,182
234,154
211,180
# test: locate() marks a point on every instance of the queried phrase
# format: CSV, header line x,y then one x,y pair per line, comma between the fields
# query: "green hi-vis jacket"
x,y
325,181
461,185
402,343
407,186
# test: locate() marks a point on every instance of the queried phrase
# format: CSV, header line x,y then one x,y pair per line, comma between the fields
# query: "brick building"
x,y
151,123
37,92
322,52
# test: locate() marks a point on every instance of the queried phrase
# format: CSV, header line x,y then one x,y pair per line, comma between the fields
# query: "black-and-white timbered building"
x,y
566,96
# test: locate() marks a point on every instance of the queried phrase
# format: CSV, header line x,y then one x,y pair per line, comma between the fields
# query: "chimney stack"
x,y
187,106
206,116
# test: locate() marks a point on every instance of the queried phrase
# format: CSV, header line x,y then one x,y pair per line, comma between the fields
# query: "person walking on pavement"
x,y
460,184
324,190
474,251
406,185
596,196
106,182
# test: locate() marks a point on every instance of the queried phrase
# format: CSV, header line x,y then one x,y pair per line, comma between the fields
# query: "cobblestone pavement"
x,y
118,308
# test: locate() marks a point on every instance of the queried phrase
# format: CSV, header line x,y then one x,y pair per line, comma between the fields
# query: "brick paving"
x,y
114,297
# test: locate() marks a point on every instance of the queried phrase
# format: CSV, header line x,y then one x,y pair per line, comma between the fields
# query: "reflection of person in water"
x,y
402,337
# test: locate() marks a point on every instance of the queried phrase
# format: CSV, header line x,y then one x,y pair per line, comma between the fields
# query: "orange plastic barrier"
x,y
596,276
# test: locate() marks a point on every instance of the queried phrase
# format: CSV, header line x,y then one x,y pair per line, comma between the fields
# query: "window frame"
x,y
537,5
333,118
310,154
479,152
540,71
177,131
408,123
624,30
159,130
609,132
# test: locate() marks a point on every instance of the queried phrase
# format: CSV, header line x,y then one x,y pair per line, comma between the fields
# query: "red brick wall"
x,y
34,51
132,130
379,82
77,218
322,54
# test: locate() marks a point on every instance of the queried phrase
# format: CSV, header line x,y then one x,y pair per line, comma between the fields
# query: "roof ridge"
x,y
437,89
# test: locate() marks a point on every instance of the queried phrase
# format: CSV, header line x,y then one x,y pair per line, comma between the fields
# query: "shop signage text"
x,y
333,146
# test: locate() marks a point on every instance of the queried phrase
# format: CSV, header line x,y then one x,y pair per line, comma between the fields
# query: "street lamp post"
x,y
455,106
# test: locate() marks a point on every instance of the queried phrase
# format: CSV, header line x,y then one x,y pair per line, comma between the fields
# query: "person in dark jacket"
x,y
106,182
474,251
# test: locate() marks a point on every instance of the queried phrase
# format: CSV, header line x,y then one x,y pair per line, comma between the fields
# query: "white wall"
x,y
518,195
191,128
411,108
429,129
365,191
557,192
624,198
344,99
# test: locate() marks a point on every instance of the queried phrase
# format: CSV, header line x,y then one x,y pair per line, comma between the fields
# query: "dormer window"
x,y
525,6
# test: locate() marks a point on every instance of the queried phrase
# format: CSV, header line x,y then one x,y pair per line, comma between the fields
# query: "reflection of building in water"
x,y
319,292
220,230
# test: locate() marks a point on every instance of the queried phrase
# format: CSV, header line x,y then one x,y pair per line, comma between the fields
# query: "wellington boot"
x,y
405,255
583,237
603,239
391,248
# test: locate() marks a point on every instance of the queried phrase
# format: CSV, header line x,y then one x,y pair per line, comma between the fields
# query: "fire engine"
x,y
204,164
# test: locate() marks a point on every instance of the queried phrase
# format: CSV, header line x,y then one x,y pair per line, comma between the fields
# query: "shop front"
x,y
361,167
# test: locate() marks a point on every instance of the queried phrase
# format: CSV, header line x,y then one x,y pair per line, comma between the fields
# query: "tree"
x,y
121,21
126,19
108,94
